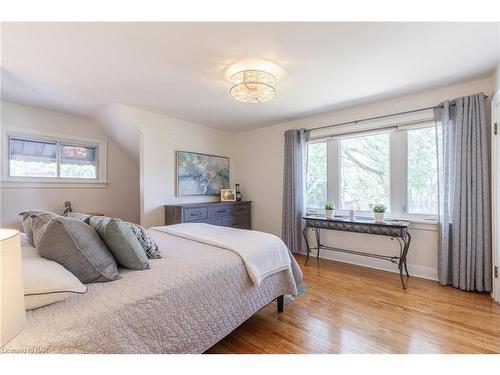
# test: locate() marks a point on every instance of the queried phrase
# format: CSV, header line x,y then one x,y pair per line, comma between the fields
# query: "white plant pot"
x,y
330,214
379,217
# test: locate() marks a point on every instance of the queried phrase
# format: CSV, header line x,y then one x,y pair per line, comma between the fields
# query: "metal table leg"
x,y
304,233
318,244
402,259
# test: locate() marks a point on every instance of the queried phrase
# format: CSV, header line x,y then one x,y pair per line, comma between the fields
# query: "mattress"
x,y
187,301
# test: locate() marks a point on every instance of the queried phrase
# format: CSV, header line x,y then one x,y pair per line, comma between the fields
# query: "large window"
x,y
396,167
422,171
365,171
32,158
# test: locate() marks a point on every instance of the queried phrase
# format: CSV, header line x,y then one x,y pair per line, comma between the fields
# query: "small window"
x,y
30,158
78,162
52,159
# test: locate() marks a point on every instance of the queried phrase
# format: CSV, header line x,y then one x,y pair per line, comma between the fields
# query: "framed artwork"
x,y
201,174
228,195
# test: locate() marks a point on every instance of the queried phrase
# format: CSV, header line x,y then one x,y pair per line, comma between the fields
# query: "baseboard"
x,y
414,270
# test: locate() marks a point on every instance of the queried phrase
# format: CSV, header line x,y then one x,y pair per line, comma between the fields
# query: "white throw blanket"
x,y
263,254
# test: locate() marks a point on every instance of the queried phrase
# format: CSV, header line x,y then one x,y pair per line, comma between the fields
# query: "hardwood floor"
x,y
352,309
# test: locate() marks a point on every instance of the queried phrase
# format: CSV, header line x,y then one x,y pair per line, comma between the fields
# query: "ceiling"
x,y
180,69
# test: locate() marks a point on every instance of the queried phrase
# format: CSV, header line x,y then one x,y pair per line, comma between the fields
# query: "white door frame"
x,y
495,193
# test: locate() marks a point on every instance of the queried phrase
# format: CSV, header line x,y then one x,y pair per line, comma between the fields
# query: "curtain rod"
x,y
355,122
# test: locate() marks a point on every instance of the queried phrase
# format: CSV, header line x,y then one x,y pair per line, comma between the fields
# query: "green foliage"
x,y
379,208
330,206
316,175
422,171
365,171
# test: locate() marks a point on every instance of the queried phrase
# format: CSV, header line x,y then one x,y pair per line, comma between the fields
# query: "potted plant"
x,y
330,210
379,210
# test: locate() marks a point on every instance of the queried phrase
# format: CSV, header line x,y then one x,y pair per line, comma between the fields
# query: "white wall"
x,y
497,78
258,162
119,198
161,136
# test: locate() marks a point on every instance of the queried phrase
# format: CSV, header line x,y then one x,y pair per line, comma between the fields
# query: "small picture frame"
x,y
228,195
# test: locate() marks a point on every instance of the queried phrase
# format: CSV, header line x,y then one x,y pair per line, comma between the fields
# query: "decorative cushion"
x,y
121,241
45,281
27,222
76,246
79,216
147,242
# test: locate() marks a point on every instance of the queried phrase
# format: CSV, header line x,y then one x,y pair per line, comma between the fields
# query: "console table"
x,y
396,229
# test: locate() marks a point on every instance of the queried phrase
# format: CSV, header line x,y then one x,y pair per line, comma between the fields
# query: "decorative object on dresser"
x,y
227,195
239,196
229,214
201,174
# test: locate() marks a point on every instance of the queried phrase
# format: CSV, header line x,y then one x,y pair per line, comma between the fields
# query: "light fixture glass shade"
x,y
12,313
253,86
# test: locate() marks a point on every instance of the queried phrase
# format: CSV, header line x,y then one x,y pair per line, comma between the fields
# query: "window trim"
x,y
59,139
398,168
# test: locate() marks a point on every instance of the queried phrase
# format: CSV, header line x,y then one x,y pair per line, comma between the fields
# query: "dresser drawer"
x,y
216,221
229,214
241,222
241,209
220,211
198,213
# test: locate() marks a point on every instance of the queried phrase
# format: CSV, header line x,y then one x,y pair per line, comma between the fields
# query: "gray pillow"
x,y
27,222
77,215
122,242
148,244
76,246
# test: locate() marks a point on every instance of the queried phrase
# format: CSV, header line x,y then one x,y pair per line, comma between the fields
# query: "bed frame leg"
x,y
281,303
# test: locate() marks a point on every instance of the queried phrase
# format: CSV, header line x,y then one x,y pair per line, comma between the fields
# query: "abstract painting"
x,y
201,174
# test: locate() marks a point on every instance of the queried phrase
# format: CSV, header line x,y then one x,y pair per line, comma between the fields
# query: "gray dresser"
x,y
228,214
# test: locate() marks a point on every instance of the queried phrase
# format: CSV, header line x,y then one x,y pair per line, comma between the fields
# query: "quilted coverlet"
x,y
187,301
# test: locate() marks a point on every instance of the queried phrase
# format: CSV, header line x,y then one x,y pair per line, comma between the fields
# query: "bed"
x,y
185,303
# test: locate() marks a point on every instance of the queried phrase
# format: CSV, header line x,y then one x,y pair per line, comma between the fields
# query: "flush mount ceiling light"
x,y
253,86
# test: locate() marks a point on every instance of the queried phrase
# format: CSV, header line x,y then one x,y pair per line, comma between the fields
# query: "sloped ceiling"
x,y
180,69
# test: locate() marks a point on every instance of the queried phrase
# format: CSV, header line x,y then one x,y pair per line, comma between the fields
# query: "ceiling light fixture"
x,y
253,86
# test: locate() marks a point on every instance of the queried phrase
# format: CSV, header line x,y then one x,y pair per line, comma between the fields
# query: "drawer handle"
x,y
198,214
221,211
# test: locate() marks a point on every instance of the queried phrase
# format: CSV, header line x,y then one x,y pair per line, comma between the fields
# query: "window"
x,y
41,158
364,172
78,162
395,166
30,158
422,171
316,175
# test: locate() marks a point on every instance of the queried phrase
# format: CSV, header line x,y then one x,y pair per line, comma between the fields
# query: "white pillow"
x,y
45,281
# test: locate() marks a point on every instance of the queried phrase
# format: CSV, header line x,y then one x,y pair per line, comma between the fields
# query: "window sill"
x,y
5,184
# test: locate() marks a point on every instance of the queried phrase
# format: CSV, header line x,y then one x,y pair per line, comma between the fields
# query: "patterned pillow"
x,y
79,216
147,242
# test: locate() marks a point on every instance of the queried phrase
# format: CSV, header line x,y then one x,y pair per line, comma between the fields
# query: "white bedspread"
x,y
262,253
